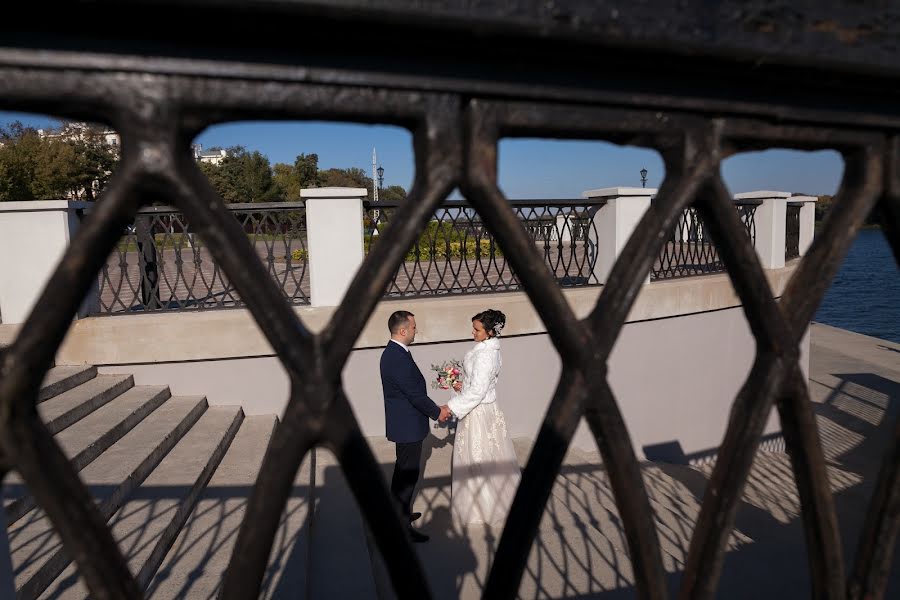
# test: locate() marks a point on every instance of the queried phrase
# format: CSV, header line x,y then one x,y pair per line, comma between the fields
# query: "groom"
x,y
407,409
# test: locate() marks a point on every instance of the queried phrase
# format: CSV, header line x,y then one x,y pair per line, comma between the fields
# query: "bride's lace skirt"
x,y
485,469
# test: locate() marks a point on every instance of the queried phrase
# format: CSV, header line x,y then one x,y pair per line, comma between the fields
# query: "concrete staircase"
x,y
171,474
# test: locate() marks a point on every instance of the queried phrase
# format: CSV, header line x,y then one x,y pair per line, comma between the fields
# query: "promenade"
x,y
580,551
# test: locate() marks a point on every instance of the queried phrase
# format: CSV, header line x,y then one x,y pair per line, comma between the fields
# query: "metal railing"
x,y
567,70
690,249
456,254
792,231
160,263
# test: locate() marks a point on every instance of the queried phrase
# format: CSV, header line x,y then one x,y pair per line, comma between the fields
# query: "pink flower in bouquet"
x,y
448,374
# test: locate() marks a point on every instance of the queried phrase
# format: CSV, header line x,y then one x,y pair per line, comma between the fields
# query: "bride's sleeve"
x,y
475,386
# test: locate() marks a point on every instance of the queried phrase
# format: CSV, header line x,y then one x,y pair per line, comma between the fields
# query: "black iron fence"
x,y
792,232
690,249
583,80
456,254
161,263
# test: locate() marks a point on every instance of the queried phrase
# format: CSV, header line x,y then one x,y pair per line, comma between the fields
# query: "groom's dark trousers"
x,y
407,409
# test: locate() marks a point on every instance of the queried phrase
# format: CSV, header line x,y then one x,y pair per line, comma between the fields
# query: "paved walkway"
x,y
580,551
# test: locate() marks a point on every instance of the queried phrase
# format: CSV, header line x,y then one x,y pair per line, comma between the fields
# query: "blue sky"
x,y
528,168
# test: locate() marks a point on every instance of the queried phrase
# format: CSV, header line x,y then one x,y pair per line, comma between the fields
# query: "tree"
x,y
92,160
286,181
19,157
306,167
243,176
73,161
352,177
394,193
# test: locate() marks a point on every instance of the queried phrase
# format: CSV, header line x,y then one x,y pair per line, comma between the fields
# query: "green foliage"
x,y
73,161
441,241
243,176
394,193
352,177
299,254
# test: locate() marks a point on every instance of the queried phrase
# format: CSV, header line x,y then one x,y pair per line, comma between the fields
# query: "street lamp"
x,y
376,214
643,178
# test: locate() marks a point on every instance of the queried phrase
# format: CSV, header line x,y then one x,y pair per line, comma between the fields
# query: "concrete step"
x,y
196,563
62,379
66,408
87,438
338,538
37,554
149,521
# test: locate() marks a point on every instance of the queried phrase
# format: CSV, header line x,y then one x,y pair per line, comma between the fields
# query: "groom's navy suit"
x,y
407,409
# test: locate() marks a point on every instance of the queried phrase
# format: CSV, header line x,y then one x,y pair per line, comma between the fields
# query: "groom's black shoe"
x,y
417,536
414,516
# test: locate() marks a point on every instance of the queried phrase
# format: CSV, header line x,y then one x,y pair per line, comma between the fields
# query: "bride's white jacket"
x,y
481,367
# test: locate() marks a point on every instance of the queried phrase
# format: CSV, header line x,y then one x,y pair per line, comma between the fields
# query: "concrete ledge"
x,y
222,334
40,205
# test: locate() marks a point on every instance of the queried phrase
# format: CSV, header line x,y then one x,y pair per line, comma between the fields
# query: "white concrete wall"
x,y
675,380
675,369
33,237
229,334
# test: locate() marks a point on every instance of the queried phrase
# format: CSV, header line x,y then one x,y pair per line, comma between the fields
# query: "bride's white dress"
x,y
485,470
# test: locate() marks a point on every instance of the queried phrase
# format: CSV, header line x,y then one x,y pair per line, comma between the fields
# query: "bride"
x,y
485,469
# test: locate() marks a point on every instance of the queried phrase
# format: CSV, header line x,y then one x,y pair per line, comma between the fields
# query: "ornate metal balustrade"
x,y
739,76
690,249
456,253
162,264
792,232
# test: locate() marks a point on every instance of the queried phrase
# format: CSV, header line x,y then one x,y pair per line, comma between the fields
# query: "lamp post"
x,y
376,214
643,178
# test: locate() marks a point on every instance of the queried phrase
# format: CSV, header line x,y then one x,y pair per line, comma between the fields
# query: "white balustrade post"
x,y
807,220
615,222
771,221
334,234
34,237
563,231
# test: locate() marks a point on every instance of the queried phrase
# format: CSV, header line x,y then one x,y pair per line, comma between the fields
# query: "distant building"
x,y
213,156
80,131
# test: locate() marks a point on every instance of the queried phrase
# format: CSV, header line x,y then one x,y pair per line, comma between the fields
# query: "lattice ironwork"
x,y
690,249
559,72
792,232
456,254
162,264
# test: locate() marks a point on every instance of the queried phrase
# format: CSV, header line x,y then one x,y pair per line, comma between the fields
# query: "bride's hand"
x,y
457,386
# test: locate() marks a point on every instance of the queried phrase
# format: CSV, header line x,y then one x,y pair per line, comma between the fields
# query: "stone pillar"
x,y
563,230
615,222
771,220
807,220
34,237
334,233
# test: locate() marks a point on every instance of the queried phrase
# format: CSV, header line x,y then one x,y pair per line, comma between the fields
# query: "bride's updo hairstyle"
x,y
492,320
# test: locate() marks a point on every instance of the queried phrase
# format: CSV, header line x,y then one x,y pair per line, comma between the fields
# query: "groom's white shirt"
x,y
401,344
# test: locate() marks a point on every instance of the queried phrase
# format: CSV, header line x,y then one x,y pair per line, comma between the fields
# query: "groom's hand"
x,y
445,413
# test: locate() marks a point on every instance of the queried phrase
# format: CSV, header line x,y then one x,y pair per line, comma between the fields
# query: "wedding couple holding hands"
x,y
485,472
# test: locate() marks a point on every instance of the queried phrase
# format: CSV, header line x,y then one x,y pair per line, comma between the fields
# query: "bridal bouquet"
x,y
448,374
